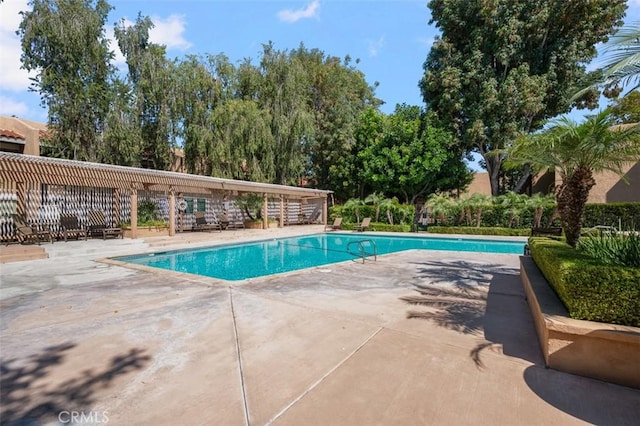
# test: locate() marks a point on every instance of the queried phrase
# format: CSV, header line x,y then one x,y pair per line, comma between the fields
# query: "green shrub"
x,y
588,288
472,230
377,226
148,211
613,249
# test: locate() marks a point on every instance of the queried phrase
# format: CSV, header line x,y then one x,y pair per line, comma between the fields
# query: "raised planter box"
x,y
147,231
608,352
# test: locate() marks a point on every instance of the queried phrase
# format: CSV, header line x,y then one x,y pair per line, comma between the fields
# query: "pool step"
x,y
18,253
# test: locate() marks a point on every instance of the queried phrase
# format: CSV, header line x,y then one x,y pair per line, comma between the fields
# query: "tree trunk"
x,y
572,197
493,163
520,185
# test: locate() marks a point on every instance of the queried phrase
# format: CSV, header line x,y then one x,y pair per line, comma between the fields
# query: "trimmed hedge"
x,y
472,230
377,226
624,215
589,289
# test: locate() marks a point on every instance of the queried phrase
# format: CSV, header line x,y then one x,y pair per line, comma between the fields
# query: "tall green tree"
x,y
197,94
337,95
576,152
412,158
243,146
64,42
502,68
626,109
122,136
152,77
284,97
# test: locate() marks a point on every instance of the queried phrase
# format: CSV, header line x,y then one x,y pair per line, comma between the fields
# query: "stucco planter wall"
x,y
602,351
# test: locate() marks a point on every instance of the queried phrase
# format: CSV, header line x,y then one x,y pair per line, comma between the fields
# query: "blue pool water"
x,y
256,259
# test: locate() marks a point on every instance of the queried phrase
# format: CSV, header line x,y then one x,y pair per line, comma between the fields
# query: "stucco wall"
x,y
29,129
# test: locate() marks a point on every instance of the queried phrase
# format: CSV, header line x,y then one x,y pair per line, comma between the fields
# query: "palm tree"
x,y
375,199
476,204
387,204
440,206
355,204
623,63
515,204
538,203
576,151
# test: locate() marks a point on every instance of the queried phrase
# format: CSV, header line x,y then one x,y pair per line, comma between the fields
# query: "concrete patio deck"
x,y
415,338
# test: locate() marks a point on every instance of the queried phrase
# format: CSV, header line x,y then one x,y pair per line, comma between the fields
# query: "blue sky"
x,y
391,38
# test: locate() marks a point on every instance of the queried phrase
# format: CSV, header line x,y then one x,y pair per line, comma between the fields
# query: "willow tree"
x,y
64,42
576,152
283,95
197,94
502,68
152,78
243,146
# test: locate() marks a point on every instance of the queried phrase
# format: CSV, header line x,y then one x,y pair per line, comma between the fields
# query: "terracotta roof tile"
x,y
10,134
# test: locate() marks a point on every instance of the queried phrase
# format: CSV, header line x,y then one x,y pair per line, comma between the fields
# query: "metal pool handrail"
x,y
362,252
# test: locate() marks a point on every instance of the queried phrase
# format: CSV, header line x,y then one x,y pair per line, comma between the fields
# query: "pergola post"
x,y
20,198
281,222
265,209
325,211
134,213
116,207
172,212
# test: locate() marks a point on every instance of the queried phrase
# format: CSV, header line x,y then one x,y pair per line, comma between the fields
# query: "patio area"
x,y
419,337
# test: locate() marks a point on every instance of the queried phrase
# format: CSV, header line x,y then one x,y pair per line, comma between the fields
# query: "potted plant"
x,y
251,205
149,222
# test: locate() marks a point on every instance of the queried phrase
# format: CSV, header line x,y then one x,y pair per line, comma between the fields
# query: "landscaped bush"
x,y
379,227
590,289
473,230
621,215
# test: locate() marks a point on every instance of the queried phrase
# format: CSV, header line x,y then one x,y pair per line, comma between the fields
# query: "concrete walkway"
x,y
414,338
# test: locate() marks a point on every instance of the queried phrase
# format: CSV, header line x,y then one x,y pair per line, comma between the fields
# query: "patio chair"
x,y
98,226
203,225
546,232
366,222
337,224
26,233
71,228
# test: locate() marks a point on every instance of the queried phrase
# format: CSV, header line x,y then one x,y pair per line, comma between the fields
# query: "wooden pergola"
x,y
19,170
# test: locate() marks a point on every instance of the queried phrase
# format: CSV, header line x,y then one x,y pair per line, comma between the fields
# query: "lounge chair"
x,y
546,232
71,228
98,226
337,224
203,225
26,233
366,222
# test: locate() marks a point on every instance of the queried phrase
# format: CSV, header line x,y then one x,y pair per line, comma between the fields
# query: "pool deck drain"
x,y
313,347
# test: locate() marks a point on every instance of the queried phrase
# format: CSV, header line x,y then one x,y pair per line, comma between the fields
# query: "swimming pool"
x,y
255,259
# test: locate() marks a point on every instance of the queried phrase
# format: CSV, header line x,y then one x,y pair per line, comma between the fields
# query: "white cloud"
x,y
118,60
13,78
375,46
9,106
310,11
170,32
